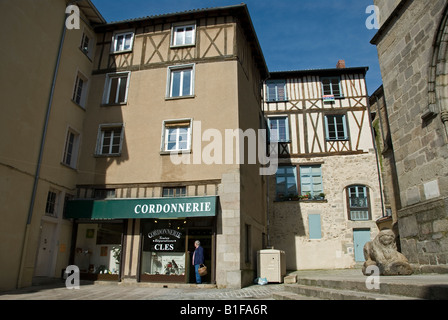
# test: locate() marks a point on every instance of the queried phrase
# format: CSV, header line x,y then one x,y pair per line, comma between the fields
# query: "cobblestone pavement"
x,y
119,292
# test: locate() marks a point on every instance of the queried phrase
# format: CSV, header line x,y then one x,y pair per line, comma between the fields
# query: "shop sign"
x,y
181,207
164,239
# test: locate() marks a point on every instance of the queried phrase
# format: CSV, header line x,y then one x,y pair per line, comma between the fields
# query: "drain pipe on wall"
x,y
39,161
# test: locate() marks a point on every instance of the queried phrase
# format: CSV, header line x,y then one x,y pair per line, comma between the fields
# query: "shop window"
x,y
164,251
171,192
98,250
358,203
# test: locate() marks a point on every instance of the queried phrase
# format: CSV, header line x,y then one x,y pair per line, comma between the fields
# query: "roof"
x,y
240,11
90,11
320,72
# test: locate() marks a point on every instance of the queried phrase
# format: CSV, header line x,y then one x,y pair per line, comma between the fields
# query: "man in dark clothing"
x,y
198,259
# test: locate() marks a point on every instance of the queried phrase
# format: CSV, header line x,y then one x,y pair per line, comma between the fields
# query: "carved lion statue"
x,y
382,252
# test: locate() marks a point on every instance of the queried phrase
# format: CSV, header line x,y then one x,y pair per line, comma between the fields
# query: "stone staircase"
x,y
355,288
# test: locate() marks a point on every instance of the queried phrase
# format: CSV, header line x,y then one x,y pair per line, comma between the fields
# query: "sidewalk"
x,y
140,291
117,291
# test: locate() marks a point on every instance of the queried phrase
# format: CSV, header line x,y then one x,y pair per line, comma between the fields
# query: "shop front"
x,y
168,228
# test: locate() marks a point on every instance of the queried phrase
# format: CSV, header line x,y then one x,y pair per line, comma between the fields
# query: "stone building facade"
x,y
326,196
412,51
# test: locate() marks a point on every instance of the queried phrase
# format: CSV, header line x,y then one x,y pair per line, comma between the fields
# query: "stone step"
x,y
298,291
405,289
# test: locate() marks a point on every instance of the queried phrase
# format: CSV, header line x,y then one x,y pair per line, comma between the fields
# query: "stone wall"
x,y
288,220
411,73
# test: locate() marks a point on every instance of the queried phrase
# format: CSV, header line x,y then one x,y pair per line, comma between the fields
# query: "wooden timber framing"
x,y
306,110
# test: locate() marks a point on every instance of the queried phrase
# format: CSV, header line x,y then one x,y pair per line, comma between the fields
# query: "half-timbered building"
x,y
325,196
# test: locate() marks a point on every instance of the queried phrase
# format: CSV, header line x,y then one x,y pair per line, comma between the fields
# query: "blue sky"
x,y
294,34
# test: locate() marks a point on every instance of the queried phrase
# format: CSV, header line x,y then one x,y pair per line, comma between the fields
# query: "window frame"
x,y
100,140
91,43
336,132
287,138
279,194
332,91
51,204
73,160
170,81
108,86
276,83
84,90
302,175
184,25
350,208
174,192
178,123
116,35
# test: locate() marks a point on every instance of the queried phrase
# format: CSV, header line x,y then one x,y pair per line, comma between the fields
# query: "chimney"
x,y
341,64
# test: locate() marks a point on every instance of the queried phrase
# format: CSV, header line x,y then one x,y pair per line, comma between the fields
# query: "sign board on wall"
x,y
142,208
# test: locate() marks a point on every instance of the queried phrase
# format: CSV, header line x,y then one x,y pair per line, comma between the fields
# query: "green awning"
x,y
182,207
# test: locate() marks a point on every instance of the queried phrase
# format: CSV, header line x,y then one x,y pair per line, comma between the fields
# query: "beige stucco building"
x,y
36,171
326,196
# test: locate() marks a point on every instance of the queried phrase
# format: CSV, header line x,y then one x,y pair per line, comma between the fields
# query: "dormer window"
x,y
122,42
183,35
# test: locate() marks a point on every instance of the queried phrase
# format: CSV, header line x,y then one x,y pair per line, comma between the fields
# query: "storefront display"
x,y
98,250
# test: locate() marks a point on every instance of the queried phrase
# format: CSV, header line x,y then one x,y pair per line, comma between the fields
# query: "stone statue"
x,y
382,252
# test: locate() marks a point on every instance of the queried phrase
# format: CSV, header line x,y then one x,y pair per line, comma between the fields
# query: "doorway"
x,y
360,238
205,237
46,249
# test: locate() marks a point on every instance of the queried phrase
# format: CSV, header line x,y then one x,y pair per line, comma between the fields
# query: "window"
x,y
80,90
358,203
172,192
183,35
87,45
276,90
180,81
311,180
110,140
116,88
336,127
176,136
50,207
122,42
248,244
280,124
104,193
71,148
331,86
286,181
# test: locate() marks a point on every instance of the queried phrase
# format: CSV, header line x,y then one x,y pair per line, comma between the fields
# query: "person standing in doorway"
x,y
198,259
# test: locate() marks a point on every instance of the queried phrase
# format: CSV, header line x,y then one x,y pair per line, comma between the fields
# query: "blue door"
x,y
360,238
